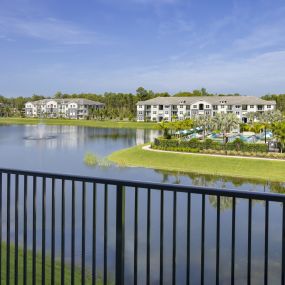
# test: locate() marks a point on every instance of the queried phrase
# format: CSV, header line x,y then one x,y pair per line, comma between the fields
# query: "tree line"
x,y
117,105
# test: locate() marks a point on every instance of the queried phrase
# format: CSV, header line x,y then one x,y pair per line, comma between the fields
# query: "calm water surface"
x,y
61,149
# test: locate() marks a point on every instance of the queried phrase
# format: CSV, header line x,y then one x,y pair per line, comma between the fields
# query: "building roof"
x,y
214,100
80,101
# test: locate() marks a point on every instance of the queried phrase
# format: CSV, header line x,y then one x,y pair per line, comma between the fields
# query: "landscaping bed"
x,y
208,146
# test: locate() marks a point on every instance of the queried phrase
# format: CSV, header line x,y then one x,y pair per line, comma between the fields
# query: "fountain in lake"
x,y
39,133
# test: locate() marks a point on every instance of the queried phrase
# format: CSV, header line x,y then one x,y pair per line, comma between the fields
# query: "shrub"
x,y
237,145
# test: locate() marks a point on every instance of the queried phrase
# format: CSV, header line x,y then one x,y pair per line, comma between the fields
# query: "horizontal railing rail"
x,y
67,212
274,197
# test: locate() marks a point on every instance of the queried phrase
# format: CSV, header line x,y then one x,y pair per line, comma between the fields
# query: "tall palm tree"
x,y
269,117
226,122
204,122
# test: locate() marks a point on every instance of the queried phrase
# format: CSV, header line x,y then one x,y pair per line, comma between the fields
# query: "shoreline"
x,y
83,123
148,147
236,167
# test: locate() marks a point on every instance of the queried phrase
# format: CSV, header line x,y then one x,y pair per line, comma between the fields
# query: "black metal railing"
x,y
51,206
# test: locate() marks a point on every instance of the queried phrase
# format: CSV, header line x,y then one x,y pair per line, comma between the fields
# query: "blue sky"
x,y
164,45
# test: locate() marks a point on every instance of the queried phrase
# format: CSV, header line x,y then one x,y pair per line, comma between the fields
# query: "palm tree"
x,y
251,116
204,122
164,126
279,132
226,122
269,117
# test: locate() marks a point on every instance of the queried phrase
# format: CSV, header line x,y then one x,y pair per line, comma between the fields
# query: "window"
x,y
181,112
180,107
251,106
237,106
140,106
207,112
237,113
154,112
194,106
140,112
268,106
154,106
207,106
215,107
222,106
166,106
166,112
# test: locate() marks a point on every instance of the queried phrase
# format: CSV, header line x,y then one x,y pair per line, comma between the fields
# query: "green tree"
x,y
279,133
204,122
226,122
269,117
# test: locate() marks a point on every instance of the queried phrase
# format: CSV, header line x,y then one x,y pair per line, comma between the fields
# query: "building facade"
x,y
62,108
169,108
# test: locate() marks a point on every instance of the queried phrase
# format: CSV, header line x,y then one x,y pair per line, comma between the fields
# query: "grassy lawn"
x,y
38,269
86,123
222,166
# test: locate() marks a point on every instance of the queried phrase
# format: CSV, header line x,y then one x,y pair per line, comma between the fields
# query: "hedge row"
x,y
237,145
271,155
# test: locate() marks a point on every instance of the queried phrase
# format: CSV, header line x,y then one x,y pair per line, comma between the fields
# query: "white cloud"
x,y
263,36
252,76
48,29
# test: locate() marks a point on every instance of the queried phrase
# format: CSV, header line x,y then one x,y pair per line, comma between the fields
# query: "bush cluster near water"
x,y
198,145
208,146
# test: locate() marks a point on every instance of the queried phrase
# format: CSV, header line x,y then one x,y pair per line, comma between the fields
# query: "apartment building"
x,y
64,108
168,108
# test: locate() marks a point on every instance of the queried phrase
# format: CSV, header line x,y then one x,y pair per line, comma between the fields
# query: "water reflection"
x,y
222,181
65,153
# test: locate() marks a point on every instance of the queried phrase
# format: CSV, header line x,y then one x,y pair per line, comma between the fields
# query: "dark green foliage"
x,y
279,99
237,145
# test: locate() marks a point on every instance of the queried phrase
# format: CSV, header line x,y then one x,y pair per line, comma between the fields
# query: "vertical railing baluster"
x,y
94,234
136,238
266,243
1,188
203,240
188,254
44,232
34,229
25,228
161,236
249,242
148,237
73,234
83,233
233,241
16,228
120,235
105,234
52,231
174,238
218,240
283,245
62,232
8,229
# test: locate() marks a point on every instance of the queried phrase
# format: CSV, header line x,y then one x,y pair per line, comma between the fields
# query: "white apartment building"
x,y
167,108
64,108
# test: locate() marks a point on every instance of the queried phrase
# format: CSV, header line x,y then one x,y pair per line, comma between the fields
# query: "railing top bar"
x,y
151,185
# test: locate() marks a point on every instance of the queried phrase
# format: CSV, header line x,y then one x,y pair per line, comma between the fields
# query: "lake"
x,y
61,149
